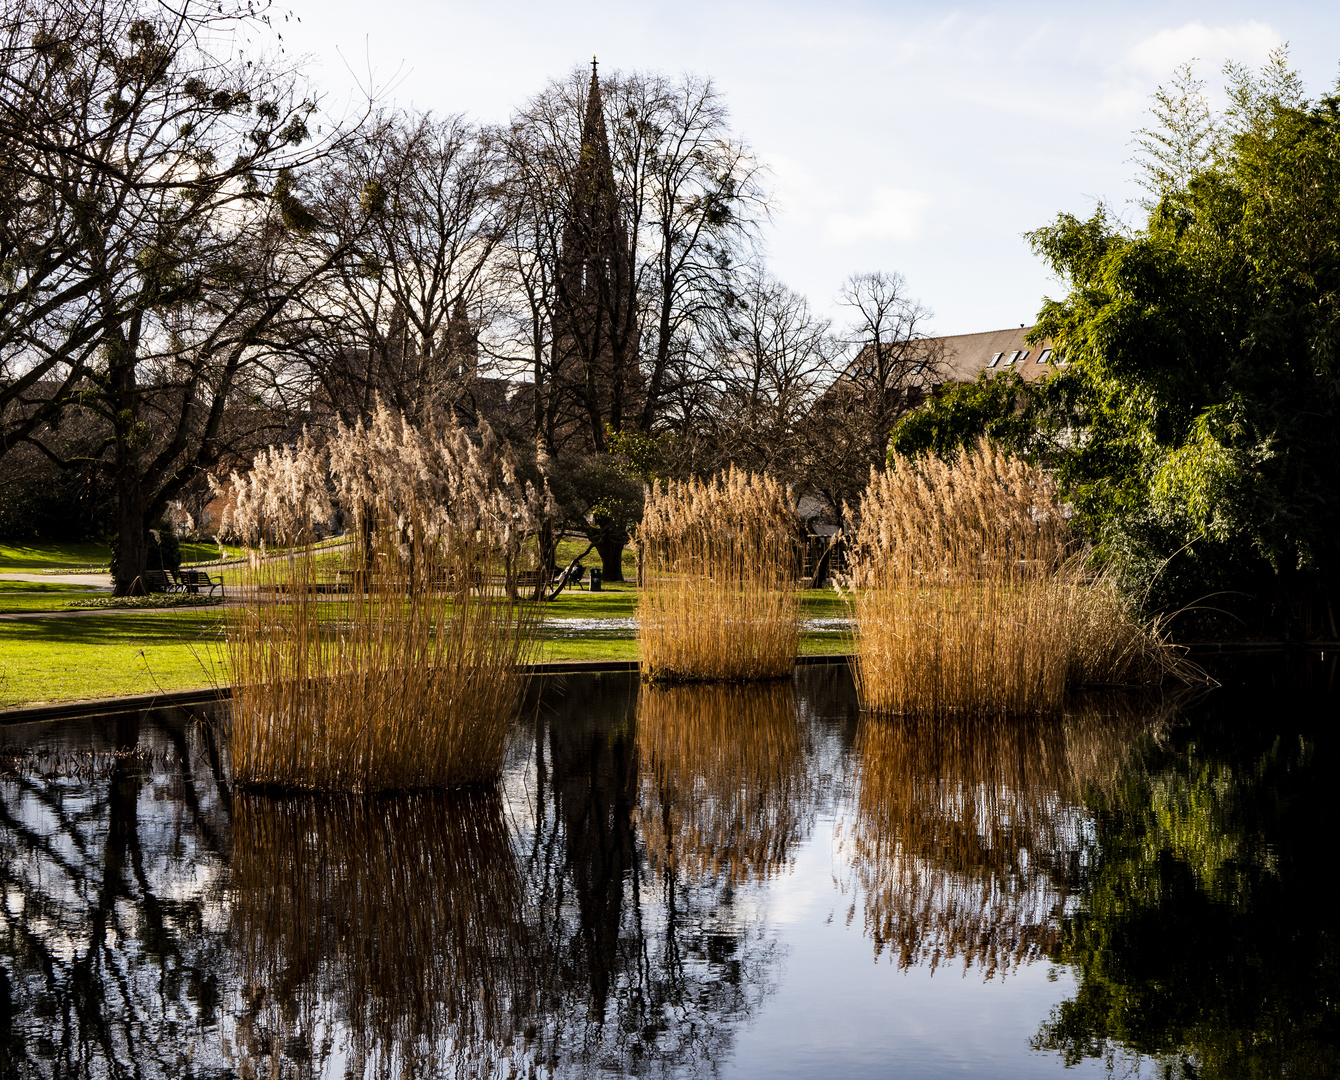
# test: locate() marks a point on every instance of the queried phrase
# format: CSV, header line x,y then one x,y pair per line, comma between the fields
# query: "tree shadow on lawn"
x,y
136,629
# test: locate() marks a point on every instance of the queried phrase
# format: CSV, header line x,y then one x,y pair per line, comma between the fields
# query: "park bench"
x,y
195,580
161,581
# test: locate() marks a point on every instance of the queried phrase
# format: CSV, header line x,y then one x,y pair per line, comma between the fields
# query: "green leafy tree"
x,y
1002,408
1196,426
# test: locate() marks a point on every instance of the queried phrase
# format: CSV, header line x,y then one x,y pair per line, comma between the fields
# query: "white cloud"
x,y
893,214
1248,43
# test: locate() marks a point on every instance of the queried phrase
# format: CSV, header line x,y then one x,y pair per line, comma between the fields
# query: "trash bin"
x,y
595,579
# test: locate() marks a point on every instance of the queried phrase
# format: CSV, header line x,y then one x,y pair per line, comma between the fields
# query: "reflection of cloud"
x,y
893,214
1248,43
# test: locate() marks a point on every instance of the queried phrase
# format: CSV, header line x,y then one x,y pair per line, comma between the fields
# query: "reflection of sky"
x,y
820,1002
838,1012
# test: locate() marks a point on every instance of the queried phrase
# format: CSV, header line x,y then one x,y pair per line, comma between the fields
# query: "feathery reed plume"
x,y
406,673
399,923
969,835
969,599
285,491
723,779
720,600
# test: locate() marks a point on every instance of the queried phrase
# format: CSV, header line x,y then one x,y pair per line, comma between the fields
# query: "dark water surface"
x,y
693,882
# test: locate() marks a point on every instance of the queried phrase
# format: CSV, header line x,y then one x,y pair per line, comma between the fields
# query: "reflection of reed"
x,y
723,778
398,917
969,837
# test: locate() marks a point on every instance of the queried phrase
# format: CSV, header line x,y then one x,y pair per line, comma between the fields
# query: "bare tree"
x,y
678,206
168,149
891,369
416,202
771,360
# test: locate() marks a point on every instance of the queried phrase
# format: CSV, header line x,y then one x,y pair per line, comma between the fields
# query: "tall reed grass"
x,y
720,599
406,674
393,930
969,595
723,779
407,680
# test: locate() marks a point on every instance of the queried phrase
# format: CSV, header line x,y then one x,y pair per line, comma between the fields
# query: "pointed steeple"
x,y
594,139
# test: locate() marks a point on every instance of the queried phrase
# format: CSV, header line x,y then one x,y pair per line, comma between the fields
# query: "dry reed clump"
x,y
723,779
969,599
407,673
396,929
970,836
720,600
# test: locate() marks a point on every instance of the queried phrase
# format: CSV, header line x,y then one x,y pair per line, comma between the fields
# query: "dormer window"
x,y
1014,356
1044,356
995,359
1024,355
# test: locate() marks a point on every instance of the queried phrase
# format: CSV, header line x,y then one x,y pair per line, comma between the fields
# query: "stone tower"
x,y
595,328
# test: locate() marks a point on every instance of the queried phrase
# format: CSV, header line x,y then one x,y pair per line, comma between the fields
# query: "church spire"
x,y
593,127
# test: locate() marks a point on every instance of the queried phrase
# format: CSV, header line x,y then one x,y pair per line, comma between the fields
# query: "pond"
x,y
693,882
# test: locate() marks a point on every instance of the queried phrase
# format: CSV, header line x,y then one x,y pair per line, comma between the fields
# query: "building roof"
x,y
966,356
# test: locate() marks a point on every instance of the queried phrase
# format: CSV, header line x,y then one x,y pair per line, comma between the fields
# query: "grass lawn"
x,y
17,596
106,655
116,654
21,559
25,559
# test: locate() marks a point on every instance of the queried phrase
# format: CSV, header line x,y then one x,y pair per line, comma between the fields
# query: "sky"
x,y
918,138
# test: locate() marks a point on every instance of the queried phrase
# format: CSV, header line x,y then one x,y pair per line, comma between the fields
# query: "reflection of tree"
x,y
652,971
724,779
396,921
107,961
968,836
1205,929
408,935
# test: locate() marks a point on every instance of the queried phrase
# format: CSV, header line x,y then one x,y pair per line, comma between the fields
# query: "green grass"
x,y
112,654
26,596
105,655
20,559
93,556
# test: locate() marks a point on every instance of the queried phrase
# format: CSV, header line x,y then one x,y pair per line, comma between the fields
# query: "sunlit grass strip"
x,y
969,599
723,777
720,599
409,684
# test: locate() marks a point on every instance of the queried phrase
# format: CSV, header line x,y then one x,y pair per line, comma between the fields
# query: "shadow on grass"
x,y
113,629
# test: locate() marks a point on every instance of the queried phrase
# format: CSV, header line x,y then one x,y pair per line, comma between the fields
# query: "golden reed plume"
x,y
720,599
969,598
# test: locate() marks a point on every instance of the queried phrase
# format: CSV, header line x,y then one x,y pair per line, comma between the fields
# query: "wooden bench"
x,y
161,581
195,580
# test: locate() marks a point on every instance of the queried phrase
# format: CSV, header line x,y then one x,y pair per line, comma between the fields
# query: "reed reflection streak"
x,y
968,838
399,920
725,784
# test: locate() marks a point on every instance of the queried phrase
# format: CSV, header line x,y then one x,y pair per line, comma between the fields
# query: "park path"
x,y
99,580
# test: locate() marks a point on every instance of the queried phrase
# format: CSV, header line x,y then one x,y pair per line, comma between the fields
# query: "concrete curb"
x,y
64,710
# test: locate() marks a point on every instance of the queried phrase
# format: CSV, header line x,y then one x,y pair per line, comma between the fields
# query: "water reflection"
x,y
629,899
652,970
968,837
1204,934
390,930
113,851
724,779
